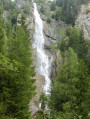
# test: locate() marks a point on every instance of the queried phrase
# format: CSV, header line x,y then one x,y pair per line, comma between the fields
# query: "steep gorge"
x,y
47,36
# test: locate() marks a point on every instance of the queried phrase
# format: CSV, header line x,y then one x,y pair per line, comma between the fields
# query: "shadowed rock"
x,y
33,109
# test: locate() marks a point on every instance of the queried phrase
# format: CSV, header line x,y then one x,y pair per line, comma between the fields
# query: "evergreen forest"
x,y
70,89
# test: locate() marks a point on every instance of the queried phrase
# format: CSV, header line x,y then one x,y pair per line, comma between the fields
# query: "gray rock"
x,y
40,80
83,20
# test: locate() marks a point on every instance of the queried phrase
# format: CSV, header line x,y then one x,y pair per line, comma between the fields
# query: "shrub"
x,y
42,10
87,11
53,7
57,14
48,20
53,16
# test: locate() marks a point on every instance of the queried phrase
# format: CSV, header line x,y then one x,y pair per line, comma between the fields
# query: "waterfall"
x,y
43,61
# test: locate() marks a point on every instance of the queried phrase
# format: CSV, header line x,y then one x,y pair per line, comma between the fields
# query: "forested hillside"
x,y
68,9
16,71
71,90
67,53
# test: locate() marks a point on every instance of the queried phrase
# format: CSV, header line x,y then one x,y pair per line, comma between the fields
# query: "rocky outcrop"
x,y
52,36
30,23
5,15
40,80
83,20
50,40
49,30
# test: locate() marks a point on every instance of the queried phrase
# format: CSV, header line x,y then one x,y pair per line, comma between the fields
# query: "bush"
x,y
53,7
57,14
53,16
26,8
42,10
48,20
87,11
7,4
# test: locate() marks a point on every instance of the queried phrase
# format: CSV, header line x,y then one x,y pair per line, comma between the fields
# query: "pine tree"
x,y
8,72
63,97
20,50
82,87
1,30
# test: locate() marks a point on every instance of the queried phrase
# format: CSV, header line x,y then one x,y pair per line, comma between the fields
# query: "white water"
x,y
43,61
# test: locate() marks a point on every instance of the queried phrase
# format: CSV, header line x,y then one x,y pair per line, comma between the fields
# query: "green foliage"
x,y
87,11
70,92
1,38
72,84
69,9
26,7
8,72
57,14
40,1
41,115
76,41
53,16
63,93
19,50
48,20
16,70
64,45
53,6
43,100
1,31
82,86
13,16
53,47
42,10
8,4
68,31
88,57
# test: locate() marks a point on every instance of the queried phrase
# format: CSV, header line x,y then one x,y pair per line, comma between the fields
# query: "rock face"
x,y
50,40
40,80
51,34
83,20
5,15
49,30
30,23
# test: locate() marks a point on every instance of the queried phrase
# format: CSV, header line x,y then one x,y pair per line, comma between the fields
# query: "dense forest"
x,y
65,10
16,71
70,90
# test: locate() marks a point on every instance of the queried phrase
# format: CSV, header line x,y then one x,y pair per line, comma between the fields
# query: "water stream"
x,y
43,61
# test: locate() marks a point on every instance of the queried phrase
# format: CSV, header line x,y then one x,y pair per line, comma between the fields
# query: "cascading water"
x,y
43,61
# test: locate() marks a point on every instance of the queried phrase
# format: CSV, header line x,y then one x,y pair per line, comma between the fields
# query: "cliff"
x,y
83,20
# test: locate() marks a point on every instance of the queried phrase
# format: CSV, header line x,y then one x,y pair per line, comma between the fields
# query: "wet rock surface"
x,y
51,35
40,80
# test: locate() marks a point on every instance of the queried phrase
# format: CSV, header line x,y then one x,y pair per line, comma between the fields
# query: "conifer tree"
x,y
20,50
